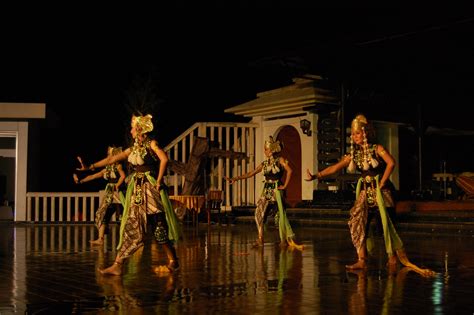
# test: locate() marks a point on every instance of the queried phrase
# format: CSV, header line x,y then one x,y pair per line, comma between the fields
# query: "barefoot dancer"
x,y
272,197
146,198
115,176
373,195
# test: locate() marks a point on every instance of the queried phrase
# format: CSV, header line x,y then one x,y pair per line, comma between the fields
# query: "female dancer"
x,y
272,196
373,195
146,199
114,175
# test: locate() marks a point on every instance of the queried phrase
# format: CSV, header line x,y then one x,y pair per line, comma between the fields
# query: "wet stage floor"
x,y
51,269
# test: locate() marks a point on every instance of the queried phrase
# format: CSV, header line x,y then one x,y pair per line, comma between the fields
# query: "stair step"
x,y
442,216
444,228
453,222
298,221
417,227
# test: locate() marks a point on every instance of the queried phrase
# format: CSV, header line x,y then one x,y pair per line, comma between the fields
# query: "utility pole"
x,y
420,143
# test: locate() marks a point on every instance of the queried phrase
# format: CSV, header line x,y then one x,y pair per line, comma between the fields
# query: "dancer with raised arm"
x,y
271,201
146,199
114,175
374,194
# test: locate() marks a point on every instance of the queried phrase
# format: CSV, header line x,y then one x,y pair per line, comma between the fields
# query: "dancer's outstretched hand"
x,y
230,180
83,167
309,176
75,178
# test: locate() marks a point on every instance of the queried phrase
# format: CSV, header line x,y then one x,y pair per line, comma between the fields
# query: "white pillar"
x,y
21,171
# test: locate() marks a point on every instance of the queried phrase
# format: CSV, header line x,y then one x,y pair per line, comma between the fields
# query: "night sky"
x,y
390,63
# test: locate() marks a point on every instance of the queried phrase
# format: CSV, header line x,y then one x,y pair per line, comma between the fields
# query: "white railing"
x,y
238,137
62,206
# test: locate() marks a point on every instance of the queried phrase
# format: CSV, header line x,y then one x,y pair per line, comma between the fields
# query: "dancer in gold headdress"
x,y
271,201
114,175
146,199
373,195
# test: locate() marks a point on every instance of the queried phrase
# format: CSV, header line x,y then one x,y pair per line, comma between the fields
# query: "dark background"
x,y
415,68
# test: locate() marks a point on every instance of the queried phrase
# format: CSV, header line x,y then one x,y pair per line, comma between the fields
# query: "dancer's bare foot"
x,y
360,264
114,270
161,270
258,242
172,266
293,245
402,256
99,241
358,272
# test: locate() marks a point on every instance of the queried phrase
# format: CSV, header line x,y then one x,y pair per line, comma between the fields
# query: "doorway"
x,y
7,175
289,136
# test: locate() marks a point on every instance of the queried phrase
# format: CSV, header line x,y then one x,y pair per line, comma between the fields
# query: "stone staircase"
x,y
458,222
452,222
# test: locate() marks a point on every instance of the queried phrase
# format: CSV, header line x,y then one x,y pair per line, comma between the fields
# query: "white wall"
x,y
387,135
19,130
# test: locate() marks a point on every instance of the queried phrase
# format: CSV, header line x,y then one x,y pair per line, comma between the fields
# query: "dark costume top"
x,y
141,190
150,161
273,172
110,174
369,176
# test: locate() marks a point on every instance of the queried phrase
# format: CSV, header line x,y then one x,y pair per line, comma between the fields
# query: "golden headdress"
x,y
359,123
142,124
273,145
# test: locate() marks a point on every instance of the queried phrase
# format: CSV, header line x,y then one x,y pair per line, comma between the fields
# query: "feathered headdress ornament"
x,y
142,124
273,145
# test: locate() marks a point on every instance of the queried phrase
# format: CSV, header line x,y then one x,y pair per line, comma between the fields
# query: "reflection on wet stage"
x,y
51,269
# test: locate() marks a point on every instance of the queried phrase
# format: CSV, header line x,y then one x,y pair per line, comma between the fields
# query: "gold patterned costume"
x,y
271,201
107,208
373,200
145,204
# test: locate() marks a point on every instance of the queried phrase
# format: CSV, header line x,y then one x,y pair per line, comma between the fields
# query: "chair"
x,y
213,205
465,181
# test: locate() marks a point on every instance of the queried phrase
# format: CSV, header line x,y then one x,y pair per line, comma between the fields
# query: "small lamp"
x,y
305,125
